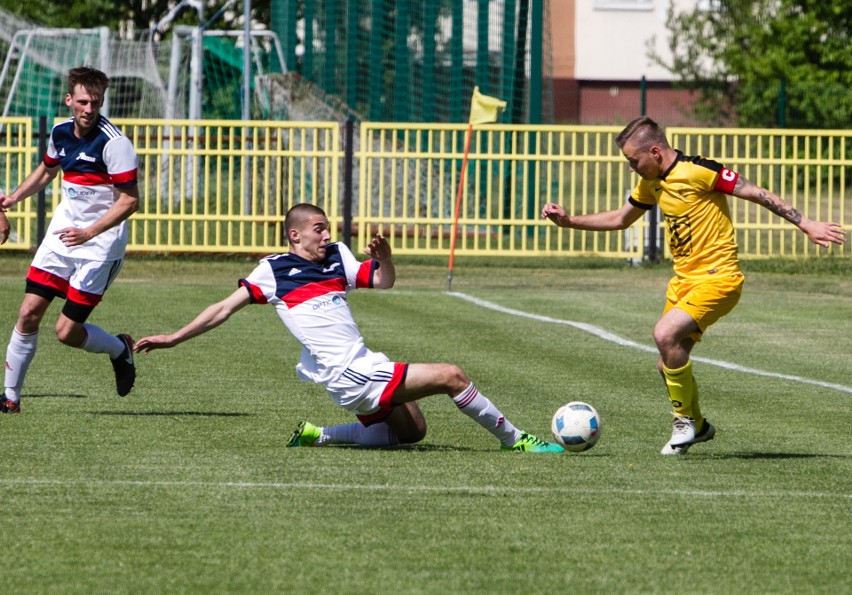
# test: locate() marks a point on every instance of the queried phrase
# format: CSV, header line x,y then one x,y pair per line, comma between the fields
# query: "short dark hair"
x,y
297,215
91,79
644,132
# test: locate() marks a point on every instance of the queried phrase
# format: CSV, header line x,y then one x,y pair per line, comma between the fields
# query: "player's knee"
x,y
29,319
663,338
66,338
456,379
413,433
69,333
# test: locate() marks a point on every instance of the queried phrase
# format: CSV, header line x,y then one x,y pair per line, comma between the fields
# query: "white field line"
x,y
608,336
422,489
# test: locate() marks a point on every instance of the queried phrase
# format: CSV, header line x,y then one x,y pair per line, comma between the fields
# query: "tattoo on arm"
x,y
779,207
751,191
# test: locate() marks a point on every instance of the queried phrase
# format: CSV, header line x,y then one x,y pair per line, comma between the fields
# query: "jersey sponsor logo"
x,y
330,268
294,271
78,192
62,152
335,301
83,157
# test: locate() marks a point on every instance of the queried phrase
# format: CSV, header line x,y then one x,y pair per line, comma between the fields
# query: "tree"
x,y
743,55
134,14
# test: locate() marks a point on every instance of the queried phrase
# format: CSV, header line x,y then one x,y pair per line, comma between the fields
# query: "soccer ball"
x,y
576,426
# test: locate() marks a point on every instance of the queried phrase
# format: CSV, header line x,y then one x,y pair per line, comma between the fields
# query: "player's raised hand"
x,y
5,203
555,213
823,233
379,249
5,228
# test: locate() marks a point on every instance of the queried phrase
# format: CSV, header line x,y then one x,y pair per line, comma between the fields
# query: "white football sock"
x,y
99,341
477,407
19,354
379,434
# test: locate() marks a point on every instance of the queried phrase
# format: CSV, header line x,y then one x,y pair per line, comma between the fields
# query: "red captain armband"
x,y
726,180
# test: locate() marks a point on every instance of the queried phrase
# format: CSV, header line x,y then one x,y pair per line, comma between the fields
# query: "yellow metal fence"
x,y
224,186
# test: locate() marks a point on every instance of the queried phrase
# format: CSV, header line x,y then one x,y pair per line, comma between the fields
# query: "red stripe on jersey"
x,y
50,162
312,290
255,292
127,177
47,280
84,297
364,278
86,178
726,180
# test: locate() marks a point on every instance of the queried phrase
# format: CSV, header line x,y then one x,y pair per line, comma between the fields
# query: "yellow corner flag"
x,y
484,109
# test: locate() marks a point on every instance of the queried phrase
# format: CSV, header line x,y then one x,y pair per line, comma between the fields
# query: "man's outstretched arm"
x,y
210,318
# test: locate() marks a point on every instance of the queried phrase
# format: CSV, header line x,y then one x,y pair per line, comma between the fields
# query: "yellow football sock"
x,y
683,392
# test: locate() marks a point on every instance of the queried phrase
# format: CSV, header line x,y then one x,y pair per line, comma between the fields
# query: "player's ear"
x,y
68,99
293,235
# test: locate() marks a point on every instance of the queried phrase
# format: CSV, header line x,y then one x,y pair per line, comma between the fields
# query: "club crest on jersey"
x,y
83,157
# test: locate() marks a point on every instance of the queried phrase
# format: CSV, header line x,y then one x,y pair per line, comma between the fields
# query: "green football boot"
x,y
530,443
305,434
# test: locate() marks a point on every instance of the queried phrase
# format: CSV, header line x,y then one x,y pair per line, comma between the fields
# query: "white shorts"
x,y
366,387
79,280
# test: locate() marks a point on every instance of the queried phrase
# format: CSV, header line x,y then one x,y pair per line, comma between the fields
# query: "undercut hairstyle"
x,y
91,79
644,132
298,214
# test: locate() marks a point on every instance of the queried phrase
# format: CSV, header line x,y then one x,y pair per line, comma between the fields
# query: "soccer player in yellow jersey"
x,y
692,195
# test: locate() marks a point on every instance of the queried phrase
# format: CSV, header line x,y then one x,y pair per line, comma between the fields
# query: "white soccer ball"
x,y
576,426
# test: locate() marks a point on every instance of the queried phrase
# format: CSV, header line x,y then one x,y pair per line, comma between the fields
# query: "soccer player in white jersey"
x,y
83,249
307,287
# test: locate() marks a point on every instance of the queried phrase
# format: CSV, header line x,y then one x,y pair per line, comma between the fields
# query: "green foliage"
x,y
185,485
136,14
737,54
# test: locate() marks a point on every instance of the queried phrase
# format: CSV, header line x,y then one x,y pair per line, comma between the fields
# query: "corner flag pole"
x,y
483,109
458,207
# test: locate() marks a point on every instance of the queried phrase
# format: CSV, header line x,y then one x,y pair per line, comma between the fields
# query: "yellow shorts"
x,y
706,299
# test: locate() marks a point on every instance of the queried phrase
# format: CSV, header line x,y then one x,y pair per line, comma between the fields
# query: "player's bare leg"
x,y
428,379
672,334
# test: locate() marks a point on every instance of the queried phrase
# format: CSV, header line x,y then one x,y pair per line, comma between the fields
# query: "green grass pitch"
x,y
185,485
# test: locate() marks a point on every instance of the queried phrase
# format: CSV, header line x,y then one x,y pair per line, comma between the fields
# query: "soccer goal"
x,y
36,61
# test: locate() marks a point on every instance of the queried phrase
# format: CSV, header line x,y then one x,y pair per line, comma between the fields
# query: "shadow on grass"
x,y
777,456
171,413
54,396
407,448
